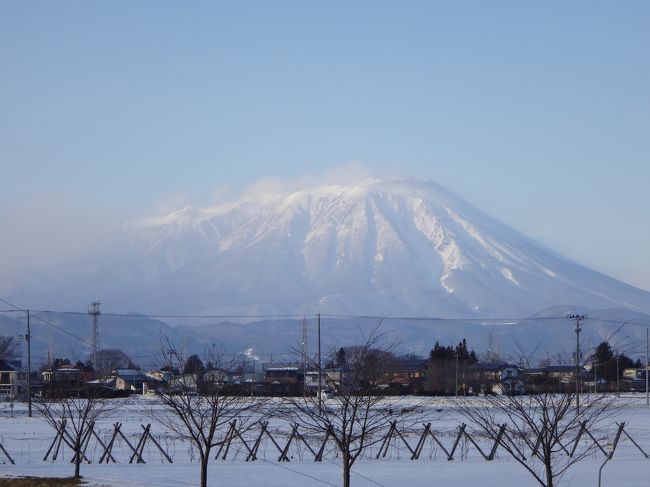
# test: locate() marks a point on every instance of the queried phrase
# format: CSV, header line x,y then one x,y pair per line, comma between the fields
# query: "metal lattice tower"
x,y
93,311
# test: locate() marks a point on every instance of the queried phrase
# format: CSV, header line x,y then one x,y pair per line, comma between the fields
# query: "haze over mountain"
x,y
400,247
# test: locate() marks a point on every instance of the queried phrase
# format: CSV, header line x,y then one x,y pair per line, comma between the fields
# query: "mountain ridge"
x,y
399,246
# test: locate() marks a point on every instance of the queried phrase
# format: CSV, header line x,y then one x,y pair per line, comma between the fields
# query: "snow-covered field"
x,y
27,440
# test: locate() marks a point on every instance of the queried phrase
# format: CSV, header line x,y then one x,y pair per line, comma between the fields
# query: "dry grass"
x,y
40,482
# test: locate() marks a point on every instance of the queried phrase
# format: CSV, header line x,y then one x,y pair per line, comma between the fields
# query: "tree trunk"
x,y
77,463
346,476
549,472
204,469
346,469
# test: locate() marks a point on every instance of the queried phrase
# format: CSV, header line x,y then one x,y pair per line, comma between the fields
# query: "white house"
x,y
13,379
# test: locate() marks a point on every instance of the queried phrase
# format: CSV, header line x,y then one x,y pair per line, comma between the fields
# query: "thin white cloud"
x,y
172,202
344,174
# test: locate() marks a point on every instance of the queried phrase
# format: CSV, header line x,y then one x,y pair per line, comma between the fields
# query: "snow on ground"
x,y
27,440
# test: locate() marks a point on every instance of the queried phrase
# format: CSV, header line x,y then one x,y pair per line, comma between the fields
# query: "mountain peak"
x,y
391,246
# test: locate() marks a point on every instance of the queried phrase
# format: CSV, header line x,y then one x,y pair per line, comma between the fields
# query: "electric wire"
x,y
186,316
311,315
468,319
438,318
38,312
47,322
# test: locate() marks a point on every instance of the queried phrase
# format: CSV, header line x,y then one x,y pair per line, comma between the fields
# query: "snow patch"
x,y
507,273
447,288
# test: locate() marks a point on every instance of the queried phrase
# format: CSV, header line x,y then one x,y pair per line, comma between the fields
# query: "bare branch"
x,y
546,423
202,402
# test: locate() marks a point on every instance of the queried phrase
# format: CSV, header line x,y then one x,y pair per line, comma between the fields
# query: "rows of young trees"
x,y
355,419
356,414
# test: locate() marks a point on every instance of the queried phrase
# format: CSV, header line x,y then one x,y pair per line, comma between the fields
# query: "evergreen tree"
x,y
442,365
193,365
606,362
340,358
603,353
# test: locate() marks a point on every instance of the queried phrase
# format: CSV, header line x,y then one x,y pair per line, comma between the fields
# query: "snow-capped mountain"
x,y
380,247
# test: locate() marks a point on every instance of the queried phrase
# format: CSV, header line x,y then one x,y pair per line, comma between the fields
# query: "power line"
x,y
474,319
49,323
144,315
63,330
618,322
136,315
438,318
471,319
15,308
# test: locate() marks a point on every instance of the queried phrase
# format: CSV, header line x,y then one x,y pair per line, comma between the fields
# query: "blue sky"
x,y
537,112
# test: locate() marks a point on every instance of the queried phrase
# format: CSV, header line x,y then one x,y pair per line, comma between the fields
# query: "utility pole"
x,y
50,357
647,366
305,355
253,378
320,370
618,382
28,337
93,311
457,373
578,319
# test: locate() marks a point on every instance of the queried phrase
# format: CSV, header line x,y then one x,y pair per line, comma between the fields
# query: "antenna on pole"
x,y
578,319
93,311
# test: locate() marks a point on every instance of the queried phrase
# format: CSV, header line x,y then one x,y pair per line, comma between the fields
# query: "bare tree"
x,y
72,412
521,356
8,348
357,413
203,402
540,428
111,359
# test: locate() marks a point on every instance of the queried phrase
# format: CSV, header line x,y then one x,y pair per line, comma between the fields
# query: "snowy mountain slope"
x,y
380,247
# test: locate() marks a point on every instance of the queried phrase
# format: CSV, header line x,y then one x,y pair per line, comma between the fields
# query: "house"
x,y
491,378
634,375
13,379
311,381
509,387
135,381
186,383
66,375
333,377
564,373
64,381
284,380
160,375
215,380
404,376
551,377
283,375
